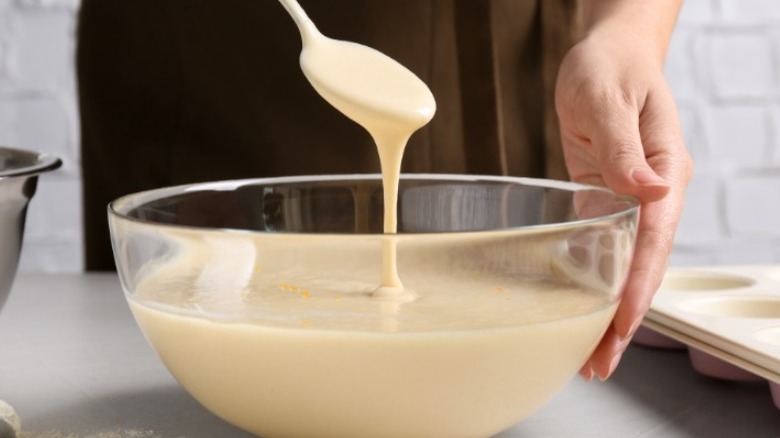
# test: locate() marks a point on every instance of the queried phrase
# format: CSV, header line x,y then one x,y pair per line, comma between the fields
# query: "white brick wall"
x,y
723,66
739,63
737,136
38,110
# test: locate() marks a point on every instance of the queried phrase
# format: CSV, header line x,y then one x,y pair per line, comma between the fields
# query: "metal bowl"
x,y
19,170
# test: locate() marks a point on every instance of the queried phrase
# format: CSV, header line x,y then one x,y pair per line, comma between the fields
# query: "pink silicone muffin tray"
x,y
728,317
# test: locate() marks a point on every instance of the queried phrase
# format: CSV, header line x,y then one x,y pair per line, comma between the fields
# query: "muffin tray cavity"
x,y
728,317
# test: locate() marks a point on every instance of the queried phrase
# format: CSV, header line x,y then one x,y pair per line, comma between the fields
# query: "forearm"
x,y
645,25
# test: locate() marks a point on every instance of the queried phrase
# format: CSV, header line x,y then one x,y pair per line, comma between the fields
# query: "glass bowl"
x,y
260,296
19,170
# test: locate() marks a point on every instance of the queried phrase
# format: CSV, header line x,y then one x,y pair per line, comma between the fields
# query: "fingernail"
x,y
632,329
647,178
587,374
612,367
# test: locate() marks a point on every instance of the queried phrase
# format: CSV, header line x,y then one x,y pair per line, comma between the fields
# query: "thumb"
x,y
621,158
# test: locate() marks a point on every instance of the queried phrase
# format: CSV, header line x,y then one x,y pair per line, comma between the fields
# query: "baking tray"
x,y
728,317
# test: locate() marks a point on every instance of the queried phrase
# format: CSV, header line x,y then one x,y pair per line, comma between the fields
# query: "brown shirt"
x,y
179,91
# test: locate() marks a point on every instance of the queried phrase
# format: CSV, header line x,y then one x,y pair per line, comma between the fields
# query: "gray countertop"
x,y
74,365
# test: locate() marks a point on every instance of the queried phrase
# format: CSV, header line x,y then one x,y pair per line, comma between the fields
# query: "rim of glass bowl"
x,y
40,162
121,206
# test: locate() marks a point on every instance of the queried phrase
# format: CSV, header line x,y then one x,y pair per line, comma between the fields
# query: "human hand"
x,y
619,129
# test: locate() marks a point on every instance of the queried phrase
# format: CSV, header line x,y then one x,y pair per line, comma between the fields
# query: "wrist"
x,y
644,27
619,41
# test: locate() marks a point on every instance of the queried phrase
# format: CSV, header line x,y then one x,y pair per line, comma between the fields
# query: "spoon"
x,y
366,85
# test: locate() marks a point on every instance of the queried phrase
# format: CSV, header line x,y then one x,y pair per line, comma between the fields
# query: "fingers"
x,y
654,240
645,157
622,157
605,358
663,144
655,235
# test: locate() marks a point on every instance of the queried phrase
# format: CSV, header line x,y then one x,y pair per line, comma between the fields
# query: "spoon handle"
x,y
306,27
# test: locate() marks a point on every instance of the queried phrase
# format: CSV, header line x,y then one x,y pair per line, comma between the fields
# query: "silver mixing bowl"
x,y
19,170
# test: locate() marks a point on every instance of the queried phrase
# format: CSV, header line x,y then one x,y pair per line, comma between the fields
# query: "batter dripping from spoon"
x,y
381,95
